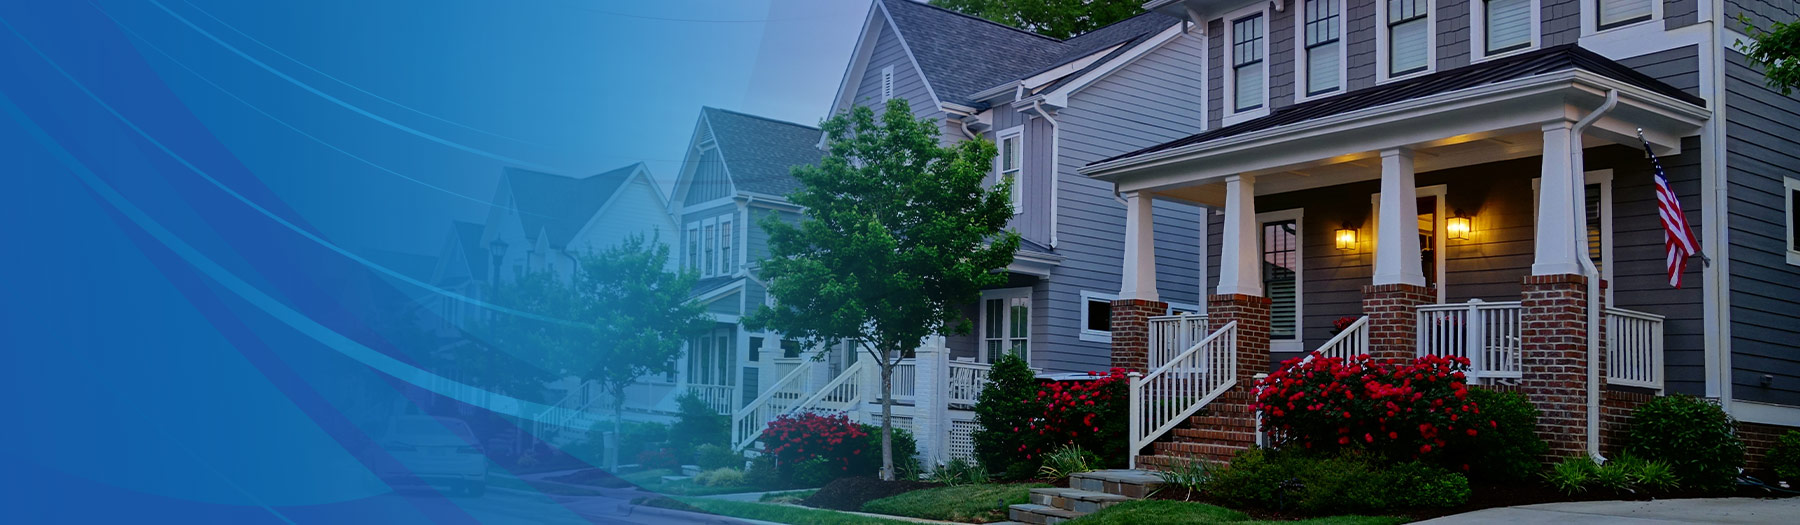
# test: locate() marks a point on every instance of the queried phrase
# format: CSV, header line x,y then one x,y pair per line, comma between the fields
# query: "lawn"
x,y
1157,512
965,503
651,480
784,513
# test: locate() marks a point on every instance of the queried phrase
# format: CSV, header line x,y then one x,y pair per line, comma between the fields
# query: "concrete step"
x,y
1082,501
1155,463
1128,483
1040,514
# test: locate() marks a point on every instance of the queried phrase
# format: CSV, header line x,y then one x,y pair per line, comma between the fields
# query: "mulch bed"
x,y
1484,496
852,493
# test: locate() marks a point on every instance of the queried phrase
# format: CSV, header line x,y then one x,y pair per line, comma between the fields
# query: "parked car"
x,y
435,451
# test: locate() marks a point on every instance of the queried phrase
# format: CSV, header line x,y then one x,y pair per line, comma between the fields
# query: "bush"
x,y
1067,461
1695,437
720,477
711,456
1338,484
1626,474
1004,409
698,424
1784,457
811,449
660,458
762,472
960,471
1512,450
1397,410
1572,475
1090,415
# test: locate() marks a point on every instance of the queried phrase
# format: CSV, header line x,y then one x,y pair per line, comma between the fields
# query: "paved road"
x,y
1716,510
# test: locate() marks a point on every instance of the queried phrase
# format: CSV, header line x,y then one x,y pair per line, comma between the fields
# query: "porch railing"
x,y
718,397
1485,333
568,413
906,375
1352,341
1170,335
1171,393
1634,348
966,380
844,393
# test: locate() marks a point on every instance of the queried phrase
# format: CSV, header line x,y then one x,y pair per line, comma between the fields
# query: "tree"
x,y
1052,18
897,233
1775,50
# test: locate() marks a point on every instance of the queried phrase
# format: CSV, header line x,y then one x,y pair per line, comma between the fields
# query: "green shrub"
x,y
1345,483
1191,476
1067,461
1653,475
1615,476
762,472
710,456
720,477
815,472
1003,412
698,424
1572,475
1697,438
960,471
1512,450
1784,457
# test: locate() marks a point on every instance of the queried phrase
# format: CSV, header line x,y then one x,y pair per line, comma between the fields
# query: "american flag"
x,y
1678,238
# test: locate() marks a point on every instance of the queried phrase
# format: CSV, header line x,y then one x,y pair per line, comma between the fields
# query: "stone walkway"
x,y
1715,510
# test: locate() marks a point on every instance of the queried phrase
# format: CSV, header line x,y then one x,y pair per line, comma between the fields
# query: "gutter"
x,y
1055,168
1596,314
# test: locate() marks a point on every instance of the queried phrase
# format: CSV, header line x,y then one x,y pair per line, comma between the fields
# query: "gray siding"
x,y
1561,22
1763,13
1281,57
1359,44
1679,67
1682,13
1452,35
1033,222
1762,148
908,83
1153,100
710,181
1215,79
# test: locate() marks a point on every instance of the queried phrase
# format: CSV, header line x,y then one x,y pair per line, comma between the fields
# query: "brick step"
x,y
1211,451
1211,435
1128,483
1082,501
1040,514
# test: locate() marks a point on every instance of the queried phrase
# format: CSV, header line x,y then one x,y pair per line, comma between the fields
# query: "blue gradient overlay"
x,y
199,296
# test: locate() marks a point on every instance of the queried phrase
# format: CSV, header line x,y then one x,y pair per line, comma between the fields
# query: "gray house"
x,y
1453,175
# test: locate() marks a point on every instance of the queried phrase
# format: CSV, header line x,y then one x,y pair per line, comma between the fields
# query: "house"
x,y
1469,178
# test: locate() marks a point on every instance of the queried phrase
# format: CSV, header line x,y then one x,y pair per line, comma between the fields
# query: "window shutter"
x,y
1508,25
1322,68
1615,12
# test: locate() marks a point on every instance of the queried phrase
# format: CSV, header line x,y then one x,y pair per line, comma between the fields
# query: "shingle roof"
x,y
961,55
1547,60
558,205
760,152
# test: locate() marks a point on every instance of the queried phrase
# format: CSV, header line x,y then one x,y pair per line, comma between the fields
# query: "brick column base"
x,y
1131,332
1252,316
1393,311
1554,359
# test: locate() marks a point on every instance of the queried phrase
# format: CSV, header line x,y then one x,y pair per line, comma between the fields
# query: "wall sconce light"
x,y
1458,227
1346,238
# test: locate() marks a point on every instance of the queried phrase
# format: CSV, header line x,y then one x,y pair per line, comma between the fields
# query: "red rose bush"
x,y
1397,409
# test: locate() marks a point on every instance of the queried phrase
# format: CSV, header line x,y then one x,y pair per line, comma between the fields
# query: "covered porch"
x,y
1470,213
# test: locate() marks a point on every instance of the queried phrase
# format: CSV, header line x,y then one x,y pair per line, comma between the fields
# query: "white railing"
x,y
966,381
1354,340
568,411
843,394
1170,335
748,423
906,376
1487,334
719,397
1169,394
1634,348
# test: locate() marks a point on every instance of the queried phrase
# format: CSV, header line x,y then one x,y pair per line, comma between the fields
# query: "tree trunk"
x,y
887,419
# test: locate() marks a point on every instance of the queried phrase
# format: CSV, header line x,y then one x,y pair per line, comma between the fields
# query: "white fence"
x,y
1170,335
1183,385
1634,348
1354,340
966,379
1485,333
721,398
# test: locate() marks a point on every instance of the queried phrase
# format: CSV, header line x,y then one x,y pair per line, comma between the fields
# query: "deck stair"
x,y
1088,492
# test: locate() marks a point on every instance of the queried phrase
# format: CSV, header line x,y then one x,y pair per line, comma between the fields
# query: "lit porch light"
x,y
1459,227
1346,238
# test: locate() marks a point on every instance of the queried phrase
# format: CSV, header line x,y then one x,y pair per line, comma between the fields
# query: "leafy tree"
x,y
1052,18
1775,50
898,232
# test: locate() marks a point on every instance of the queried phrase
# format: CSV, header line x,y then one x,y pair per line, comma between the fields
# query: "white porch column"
x,y
1559,232
1240,257
1397,238
931,427
1139,278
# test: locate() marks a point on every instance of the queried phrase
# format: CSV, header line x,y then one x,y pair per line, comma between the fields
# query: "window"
x,y
754,353
1247,70
1322,27
693,246
1409,36
1005,323
790,349
1614,13
1012,164
887,83
1506,25
727,261
1792,187
1096,317
711,246
1280,275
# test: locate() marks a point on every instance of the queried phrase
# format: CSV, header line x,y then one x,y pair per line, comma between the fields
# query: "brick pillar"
x,y
1393,311
1252,316
1554,359
1131,332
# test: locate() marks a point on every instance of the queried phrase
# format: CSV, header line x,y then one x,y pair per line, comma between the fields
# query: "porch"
x,y
1459,214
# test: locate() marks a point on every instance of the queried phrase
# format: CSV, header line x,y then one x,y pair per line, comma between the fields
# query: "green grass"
x,y
966,503
543,488
792,496
1156,512
784,513
651,480
647,478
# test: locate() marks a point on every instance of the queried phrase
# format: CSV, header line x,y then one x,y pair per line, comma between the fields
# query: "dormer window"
x,y
1012,164
1406,41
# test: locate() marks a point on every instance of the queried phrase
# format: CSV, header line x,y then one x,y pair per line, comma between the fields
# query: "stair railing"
x,y
1353,341
748,423
1173,392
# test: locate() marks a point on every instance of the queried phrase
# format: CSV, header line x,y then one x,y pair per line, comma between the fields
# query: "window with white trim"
x,y
1281,258
887,83
1096,316
1504,26
693,246
1322,46
727,256
1409,36
710,245
1011,164
1609,14
1248,69
1005,323
1791,187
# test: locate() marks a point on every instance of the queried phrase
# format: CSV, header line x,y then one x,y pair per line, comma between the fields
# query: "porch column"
x,y
1138,301
1554,349
1240,257
1560,240
1398,288
931,403
1240,299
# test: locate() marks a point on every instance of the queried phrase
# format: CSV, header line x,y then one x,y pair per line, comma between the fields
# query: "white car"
x,y
438,451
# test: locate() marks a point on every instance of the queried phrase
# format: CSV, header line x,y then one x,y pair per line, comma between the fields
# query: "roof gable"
x,y
559,206
759,152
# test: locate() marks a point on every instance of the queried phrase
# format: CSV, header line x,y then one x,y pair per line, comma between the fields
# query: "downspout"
x,y
965,129
1595,313
1055,167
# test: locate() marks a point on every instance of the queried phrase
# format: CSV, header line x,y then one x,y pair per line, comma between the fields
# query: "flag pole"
x,y
1648,150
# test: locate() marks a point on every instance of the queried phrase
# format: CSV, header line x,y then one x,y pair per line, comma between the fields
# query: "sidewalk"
x,y
1715,510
